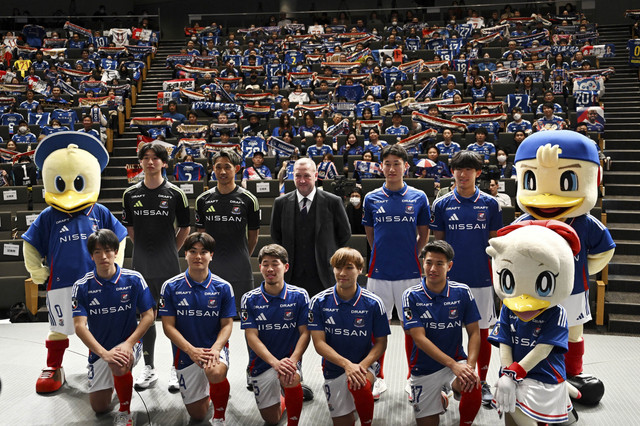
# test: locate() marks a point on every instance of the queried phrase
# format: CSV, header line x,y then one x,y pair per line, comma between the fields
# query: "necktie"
x,y
303,210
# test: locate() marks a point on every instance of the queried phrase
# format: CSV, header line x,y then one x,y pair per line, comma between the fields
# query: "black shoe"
x,y
250,387
590,387
307,393
573,418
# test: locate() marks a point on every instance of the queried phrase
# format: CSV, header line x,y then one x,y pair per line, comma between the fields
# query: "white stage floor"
x,y
614,359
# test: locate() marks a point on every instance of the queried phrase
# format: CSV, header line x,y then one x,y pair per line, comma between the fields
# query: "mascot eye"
x,y
529,180
569,181
78,183
546,283
507,282
60,185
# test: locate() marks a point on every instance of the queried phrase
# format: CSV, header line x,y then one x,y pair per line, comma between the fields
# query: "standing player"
x,y
349,328
149,211
274,318
434,312
467,218
197,310
106,300
230,213
396,221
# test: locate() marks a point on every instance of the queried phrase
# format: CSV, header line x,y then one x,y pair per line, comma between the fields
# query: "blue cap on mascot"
x,y
572,144
62,140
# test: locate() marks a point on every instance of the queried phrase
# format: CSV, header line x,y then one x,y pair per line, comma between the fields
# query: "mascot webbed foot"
x,y
50,380
590,387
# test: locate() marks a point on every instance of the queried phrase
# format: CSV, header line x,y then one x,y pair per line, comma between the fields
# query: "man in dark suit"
x,y
311,225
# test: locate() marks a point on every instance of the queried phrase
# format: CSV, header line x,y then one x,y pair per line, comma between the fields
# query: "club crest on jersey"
x,y
74,303
536,332
212,303
482,216
409,209
359,322
236,210
288,315
161,302
164,204
61,322
496,330
244,315
408,314
95,227
310,316
453,313
124,297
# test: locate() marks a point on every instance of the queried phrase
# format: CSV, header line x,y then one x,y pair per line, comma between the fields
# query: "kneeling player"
x,y
349,328
274,317
106,299
434,312
197,310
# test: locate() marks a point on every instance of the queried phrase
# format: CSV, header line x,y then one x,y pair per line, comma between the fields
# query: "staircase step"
x,y
620,203
624,265
627,247
621,177
628,324
622,303
624,283
623,216
619,139
114,181
622,165
621,189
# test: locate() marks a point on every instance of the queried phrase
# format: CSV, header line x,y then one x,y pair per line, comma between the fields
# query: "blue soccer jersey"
x,y
548,328
277,319
554,123
61,238
450,149
188,170
523,125
315,151
594,238
442,315
375,149
398,131
349,325
29,106
197,308
110,305
557,109
394,217
66,117
518,100
485,150
251,144
466,223
24,138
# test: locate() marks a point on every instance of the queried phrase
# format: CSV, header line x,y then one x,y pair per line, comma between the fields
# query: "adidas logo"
x,y
183,302
454,217
138,203
261,317
426,315
381,210
64,229
581,316
94,302
293,418
331,321
211,210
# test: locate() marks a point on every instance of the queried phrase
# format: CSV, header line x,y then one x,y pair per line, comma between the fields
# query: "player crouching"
x,y
106,299
274,317
349,328
197,310
434,312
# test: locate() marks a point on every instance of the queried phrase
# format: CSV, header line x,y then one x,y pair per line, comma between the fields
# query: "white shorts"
x,y
391,292
427,400
194,384
339,399
266,388
544,402
486,307
60,312
100,375
578,310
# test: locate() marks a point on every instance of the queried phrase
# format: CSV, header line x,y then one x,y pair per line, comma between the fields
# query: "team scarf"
x,y
230,127
66,87
397,106
588,73
252,97
7,76
338,129
217,106
413,141
209,60
363,40
10,41
151,121
139,50
182,83
452,109
101,102
74,73
314,58
26,50
212,148
438,122
501,76
331,81
92,86
434,66
134,173
13,88
334,29
7,100
557,87
359,56
249,68
494,107
367,167
357,78
536,75
193,130
77,29
342,67
412,67
120,89
259,110
189,72
189,146
179,58
192,96
363,126
424,106
540,51
112,50
479,118
502,28
538,65
298,37
282,147
311,107
582,37
519,19
53,51
592,83
423,93
233,81
488,38
8,155
529,38
632,13
295,77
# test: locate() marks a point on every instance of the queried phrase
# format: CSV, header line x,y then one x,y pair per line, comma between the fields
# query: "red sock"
x,y
55,352
408,347
124,389
573,358
380,374
219,393
469,405
293,401
363,400
484,357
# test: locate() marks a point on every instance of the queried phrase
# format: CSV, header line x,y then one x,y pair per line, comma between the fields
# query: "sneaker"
x,y
174,385
379,386
123,419
307,393
217,422
487,396
407,389
147,378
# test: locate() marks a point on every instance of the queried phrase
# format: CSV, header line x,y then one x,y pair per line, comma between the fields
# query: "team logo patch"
x,y
482,216
310,316
453,313
409,209
212,303
359,322
74,303
244,315
124,297
161,302
408,315
496,330
432,218
61,322
288,315
236,210
164,204
95,227
536,332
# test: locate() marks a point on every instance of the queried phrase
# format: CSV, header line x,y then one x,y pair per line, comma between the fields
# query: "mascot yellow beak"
x,y
550,206
526,307
70,201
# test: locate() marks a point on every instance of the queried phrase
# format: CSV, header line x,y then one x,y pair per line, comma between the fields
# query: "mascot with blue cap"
x,y
558,177
55,245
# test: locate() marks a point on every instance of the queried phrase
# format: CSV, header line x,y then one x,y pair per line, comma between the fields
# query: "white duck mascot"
x,y
55,245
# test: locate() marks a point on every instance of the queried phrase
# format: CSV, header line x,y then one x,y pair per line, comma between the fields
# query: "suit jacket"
x,y
332,229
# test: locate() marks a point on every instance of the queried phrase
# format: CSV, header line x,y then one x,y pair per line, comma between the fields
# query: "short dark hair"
x,y
466,160
274,250
318,132
172,103
228,153
395,149
481,130
105,237
203,238
547,105
159,150
438,246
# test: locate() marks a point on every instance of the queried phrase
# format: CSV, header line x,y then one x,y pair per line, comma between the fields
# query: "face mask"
x,y
60,59
91,49
502,158
56,126
22,129
517,117
394,23
388,63
354,201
